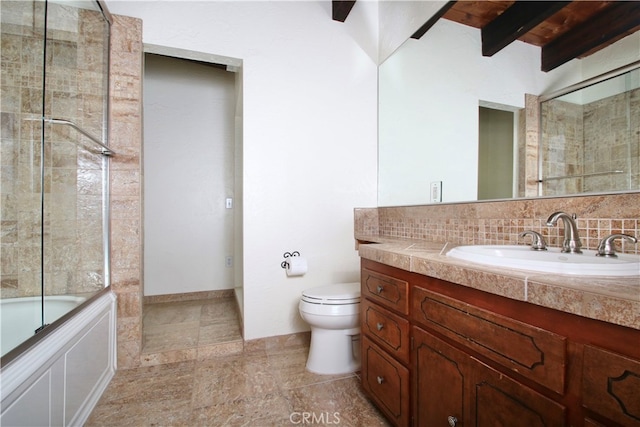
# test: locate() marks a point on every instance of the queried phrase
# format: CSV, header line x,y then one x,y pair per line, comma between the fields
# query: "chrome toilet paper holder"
x,y
286,255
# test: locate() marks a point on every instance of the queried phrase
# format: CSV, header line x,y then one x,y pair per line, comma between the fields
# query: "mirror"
x,y
590,136
431,92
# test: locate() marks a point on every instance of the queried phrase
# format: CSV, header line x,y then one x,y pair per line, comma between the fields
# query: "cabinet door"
x,y
386,381
497,400
611,385
439,376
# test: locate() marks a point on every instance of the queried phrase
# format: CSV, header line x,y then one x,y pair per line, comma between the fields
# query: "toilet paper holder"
x,y
286,255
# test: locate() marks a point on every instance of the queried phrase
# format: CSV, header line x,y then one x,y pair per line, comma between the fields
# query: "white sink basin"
x,y
549,261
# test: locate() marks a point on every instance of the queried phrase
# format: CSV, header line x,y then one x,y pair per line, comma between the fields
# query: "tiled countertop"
x,y
610,299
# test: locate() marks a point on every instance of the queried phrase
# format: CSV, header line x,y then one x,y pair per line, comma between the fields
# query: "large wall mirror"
x,y
439,97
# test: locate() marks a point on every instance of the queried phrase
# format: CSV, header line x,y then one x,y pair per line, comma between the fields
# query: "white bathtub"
x,y
59,375
20,317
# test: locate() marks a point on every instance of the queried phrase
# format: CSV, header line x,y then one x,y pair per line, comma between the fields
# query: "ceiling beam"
x,y
515,21
614,22
427,25
341,8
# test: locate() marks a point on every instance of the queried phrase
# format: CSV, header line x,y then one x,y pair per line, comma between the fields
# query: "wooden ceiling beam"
x,y
341,8
515,21
614,22
427,25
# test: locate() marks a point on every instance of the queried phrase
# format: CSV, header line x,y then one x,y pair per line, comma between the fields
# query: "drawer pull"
x,y
453,421
380,380
379,326
380,289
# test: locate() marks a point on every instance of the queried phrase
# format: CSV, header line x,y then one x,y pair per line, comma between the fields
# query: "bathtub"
x,y
57,376
20,317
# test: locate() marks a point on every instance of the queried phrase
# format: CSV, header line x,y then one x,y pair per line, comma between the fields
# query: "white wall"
x,y
309,138
189,173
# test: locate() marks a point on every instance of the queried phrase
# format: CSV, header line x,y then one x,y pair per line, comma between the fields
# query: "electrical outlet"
x,y
436,191
228,262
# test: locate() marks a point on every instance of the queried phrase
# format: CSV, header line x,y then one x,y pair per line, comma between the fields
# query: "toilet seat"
x,y
338,294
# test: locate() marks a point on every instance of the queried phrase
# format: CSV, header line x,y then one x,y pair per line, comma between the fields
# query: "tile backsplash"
x,y
501,222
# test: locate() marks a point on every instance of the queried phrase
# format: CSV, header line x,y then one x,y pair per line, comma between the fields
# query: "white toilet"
x,y
333,312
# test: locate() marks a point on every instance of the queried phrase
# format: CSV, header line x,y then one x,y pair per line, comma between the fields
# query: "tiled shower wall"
x,y
500,222
75,83
599,137
612,142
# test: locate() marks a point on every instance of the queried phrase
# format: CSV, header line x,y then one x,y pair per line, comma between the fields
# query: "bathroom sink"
x,y
549,261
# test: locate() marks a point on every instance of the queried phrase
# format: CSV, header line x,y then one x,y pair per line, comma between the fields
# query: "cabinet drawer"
x,y
386,290
386,381
611,385
388,330
535,353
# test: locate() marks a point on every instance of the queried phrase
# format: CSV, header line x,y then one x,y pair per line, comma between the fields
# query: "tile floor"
x,y
180,325
264,384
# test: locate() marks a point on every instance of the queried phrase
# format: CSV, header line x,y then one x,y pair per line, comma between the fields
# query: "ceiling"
x,y
564,30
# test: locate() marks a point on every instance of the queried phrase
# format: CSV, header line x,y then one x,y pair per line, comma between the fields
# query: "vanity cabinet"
x,y
438,353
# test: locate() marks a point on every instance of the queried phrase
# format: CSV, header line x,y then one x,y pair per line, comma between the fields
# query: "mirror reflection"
x,y
590,137
434,93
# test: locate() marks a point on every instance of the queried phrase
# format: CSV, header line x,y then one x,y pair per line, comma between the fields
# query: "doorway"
x,y
495,154
190,204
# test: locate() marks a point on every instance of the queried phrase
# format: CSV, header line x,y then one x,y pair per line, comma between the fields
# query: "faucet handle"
x,y
537,242
605,247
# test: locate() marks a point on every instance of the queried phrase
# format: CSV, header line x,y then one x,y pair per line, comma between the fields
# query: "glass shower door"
x,y
22,29
54,162
75,167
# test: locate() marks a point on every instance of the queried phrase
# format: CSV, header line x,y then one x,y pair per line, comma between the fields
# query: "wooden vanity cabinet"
x,y
478,359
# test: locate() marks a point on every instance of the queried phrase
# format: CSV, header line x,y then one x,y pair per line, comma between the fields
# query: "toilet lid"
x,y
338,294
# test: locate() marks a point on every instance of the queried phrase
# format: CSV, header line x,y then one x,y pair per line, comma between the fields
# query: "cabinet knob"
x,y
380,288
380,380
453,421
379,326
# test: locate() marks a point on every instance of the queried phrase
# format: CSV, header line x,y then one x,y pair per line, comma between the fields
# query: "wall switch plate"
x,y
436,192
229,203
228,262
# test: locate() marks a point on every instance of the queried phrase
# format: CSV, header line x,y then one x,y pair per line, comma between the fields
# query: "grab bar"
x,y
106,151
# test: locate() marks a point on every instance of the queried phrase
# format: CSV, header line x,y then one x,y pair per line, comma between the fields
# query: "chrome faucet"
x,y
537,242
606,249
571,243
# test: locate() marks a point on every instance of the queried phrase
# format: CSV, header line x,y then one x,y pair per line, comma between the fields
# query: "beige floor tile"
x,y
172,312
289,369
257,411
219,333
232,378
338,402
171,337
219,311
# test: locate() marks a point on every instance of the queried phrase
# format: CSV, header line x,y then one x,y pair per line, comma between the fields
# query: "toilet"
x,y
333,313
